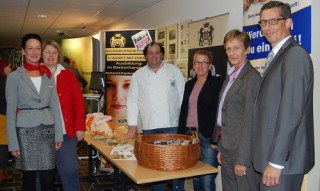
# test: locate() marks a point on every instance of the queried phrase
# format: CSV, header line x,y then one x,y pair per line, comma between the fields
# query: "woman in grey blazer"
x,y
33,117
235,114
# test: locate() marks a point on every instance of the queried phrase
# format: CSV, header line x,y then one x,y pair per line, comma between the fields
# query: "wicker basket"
x,y
164,157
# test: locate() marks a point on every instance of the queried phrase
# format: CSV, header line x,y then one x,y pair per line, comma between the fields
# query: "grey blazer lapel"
x,y
44,83
281,50
237,83
27,79
46,87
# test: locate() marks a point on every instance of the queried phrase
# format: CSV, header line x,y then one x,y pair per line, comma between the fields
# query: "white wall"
x,y
314,175
168,12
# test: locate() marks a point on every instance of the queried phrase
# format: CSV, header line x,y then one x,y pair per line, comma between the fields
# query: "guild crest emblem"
x,y
206,34
117,41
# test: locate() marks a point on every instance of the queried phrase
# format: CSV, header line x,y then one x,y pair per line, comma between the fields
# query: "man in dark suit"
x,y
283,135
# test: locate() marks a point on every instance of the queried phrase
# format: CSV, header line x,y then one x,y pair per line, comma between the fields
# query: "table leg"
x,y
123,182
175,184
116,178
90,176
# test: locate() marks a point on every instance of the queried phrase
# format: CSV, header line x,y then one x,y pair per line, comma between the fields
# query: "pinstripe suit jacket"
x,y
237,113
283,122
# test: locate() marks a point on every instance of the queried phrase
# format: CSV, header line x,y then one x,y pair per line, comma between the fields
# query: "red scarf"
x,y
42,68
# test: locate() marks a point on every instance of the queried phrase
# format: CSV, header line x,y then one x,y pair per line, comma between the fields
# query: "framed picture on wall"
x,y
183,41
161,37
171,48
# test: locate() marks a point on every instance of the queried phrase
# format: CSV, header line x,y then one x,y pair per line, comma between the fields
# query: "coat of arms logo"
x,y
117,41
206,34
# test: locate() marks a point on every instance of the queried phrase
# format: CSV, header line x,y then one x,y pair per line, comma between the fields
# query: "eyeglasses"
x,y
47,52
201,63
270,21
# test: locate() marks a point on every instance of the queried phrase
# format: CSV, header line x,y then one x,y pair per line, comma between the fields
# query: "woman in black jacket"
x,y
198,113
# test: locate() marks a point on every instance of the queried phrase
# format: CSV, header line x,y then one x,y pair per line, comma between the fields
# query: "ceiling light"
x,y
42,16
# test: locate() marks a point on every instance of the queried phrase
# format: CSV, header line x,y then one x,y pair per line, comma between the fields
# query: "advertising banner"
x,y
259,47
124,55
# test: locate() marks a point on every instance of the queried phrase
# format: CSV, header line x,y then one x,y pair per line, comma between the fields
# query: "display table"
x,y
91,96
140,174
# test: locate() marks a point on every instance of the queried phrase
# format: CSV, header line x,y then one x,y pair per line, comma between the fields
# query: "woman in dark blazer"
x,y
198,111
235,115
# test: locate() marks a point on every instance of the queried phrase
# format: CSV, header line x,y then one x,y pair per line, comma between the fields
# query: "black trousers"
x,y
29,180
4,154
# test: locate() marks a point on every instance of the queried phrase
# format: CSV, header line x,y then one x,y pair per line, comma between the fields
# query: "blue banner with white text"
x,y
300,30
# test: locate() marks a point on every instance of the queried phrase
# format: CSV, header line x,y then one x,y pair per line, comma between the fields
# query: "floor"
x,y
103,182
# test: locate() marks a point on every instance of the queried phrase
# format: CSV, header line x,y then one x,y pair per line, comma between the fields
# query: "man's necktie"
x,y
269,58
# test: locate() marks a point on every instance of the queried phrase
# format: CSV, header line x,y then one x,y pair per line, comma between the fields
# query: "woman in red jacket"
x,y
73,113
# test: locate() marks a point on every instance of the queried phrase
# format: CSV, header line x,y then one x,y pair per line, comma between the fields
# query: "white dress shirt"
x,y
156,96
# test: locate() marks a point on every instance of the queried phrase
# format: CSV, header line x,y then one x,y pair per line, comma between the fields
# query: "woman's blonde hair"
x,y
56,46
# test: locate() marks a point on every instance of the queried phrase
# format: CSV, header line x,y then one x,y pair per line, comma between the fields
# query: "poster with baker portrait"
x,y
123,55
